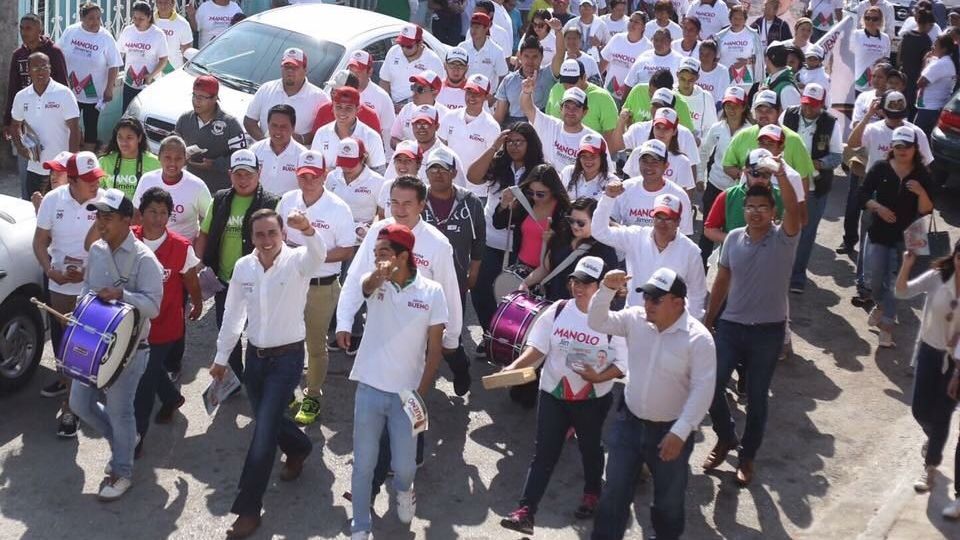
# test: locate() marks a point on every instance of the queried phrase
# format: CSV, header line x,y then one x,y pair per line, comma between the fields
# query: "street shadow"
x,y
826,331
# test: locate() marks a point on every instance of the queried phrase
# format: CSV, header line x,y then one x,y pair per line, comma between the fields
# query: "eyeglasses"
x,y
756,208
576,222
757,173
516,142
417,89
539,194
201,97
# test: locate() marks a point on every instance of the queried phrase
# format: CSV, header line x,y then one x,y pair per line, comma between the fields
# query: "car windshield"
x,y
248,55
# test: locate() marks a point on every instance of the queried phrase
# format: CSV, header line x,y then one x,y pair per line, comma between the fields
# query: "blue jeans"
x,y
154,382
808,237
372,410
756,349
554,417
881,264
931,406
115,420
851,216
633,442
269,382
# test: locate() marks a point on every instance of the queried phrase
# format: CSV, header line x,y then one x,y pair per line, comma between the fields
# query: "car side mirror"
x,y
190,53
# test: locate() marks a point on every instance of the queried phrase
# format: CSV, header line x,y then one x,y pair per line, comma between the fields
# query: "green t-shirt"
x,y
601,109
126,179
638,103
794,151
231,243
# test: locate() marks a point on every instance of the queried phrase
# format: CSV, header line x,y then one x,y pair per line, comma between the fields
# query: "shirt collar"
x,y
680,325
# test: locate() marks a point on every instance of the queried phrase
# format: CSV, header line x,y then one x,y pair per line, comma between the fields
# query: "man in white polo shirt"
x,y
452,93
45,121
560,136
486,57
426,123
279,153
649,248
333,221
406,312
58,244
405,59
346,101
292,88
426,87
191,196
635,206
355,183
371,95
470,131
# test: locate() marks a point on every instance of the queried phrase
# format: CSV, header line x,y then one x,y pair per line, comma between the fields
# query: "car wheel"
x,y
21,342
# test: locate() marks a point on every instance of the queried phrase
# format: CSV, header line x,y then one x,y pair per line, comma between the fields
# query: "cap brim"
x,y
651,290
250,168
416,119
291,62
458,60
92,176
584,277
475,88
357,64
446,166
661,157
661,121
895,144
54,166
771,139
347,162
664,210
568,79
405,41
317,171
759,104
806,100
406,153
590,150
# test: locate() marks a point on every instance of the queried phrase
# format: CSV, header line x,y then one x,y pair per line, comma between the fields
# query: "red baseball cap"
x,y
410,149
295,57
399,234
347,95
410,35
85,166
208,84
360,59
481,19
59,163
428,78
312,162
350,153
593,144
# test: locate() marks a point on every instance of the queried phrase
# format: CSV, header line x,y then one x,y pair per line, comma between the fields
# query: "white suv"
x,y
21,325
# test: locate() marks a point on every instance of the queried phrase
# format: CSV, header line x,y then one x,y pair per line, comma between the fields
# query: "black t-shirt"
x,y
883,185
556,288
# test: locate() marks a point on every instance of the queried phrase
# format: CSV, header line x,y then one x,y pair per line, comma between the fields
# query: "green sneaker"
x,y
308,412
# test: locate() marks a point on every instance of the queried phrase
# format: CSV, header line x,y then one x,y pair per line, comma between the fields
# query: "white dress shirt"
x,y
434,258
682,255
270,302
672,373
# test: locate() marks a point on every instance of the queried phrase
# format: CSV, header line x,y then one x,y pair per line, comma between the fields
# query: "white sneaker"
x,y
112,491
952,510
925,482
361,535
406,505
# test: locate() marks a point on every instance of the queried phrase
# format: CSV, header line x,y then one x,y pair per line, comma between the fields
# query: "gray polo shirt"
x,y
134,260
759,275
509,91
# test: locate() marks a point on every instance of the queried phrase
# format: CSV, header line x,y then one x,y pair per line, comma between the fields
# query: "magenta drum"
x,y
510,325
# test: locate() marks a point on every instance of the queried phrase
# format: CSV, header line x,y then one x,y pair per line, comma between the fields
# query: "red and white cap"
x,y
347,95
59,162
668,204
85,166
665,116
294,57
813,94
360,59
477,83
428,78
482,19
410,149
425,113
594,144
734,94
311,162
773,132
350,152
410,35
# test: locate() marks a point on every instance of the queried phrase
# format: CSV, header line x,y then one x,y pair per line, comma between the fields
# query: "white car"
x,y
248,55
21,325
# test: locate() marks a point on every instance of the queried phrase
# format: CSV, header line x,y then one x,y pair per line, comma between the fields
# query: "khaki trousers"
x,y
321,303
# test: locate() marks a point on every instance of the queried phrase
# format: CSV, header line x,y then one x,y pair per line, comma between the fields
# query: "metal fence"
x,y
59,14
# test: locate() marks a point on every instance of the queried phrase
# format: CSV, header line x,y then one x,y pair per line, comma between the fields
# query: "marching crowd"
x,y
598,158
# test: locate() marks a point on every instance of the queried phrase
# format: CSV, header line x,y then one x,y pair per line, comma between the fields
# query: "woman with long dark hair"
x,y
540,29
508,162
937,378
589,175
894,190
576,238
127,157
937,83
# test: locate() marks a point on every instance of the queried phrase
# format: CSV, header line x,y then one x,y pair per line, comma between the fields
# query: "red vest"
x,y
172,254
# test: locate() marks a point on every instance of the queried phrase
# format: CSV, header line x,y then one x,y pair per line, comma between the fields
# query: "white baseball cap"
x,y
589,269
663,96
85,166
59,162
668,204
312,162
772,131
458,54
574,94
360,59
903,136
244,159
667,116
442,157
478,83
664,281
689,64
755,159
425,112
112,200
570,71
734,94
593,143
408,148
350,152
655,148
294,56
765,98
814,50
813,94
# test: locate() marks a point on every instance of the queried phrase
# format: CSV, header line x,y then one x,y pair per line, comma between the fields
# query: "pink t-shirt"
x,y
531,238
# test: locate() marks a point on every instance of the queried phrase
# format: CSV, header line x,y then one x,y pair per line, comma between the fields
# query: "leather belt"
x,y
281,350
323,280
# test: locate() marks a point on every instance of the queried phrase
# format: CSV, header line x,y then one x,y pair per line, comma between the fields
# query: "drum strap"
x,y
581,250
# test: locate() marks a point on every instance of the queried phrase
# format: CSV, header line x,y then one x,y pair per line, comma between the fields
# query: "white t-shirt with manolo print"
x,y
214,19
142,52
679,169
88,56
620,54
942,75
567,342
178,33
866,51
715,82
736,45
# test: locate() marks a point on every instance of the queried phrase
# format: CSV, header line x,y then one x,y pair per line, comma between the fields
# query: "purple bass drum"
x,y
510,325
98,342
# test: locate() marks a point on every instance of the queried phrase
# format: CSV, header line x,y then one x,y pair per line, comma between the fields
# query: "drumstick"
x,y
63,318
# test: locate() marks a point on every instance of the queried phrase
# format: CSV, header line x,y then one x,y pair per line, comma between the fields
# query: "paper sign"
x,y
915,236
217,391
416,411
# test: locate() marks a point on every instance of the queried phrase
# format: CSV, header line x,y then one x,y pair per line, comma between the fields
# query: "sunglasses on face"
x,y
576,222
540,25
872,19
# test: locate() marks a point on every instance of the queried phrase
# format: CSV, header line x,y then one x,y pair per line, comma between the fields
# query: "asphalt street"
x,y
839,458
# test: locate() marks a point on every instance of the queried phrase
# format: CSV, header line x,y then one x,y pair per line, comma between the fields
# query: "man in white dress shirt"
x,y
671,360
268,293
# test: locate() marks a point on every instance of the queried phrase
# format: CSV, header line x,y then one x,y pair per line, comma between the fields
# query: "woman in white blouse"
x,y
937,377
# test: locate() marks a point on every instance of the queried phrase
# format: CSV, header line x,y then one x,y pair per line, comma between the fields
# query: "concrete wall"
x,y
9,40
